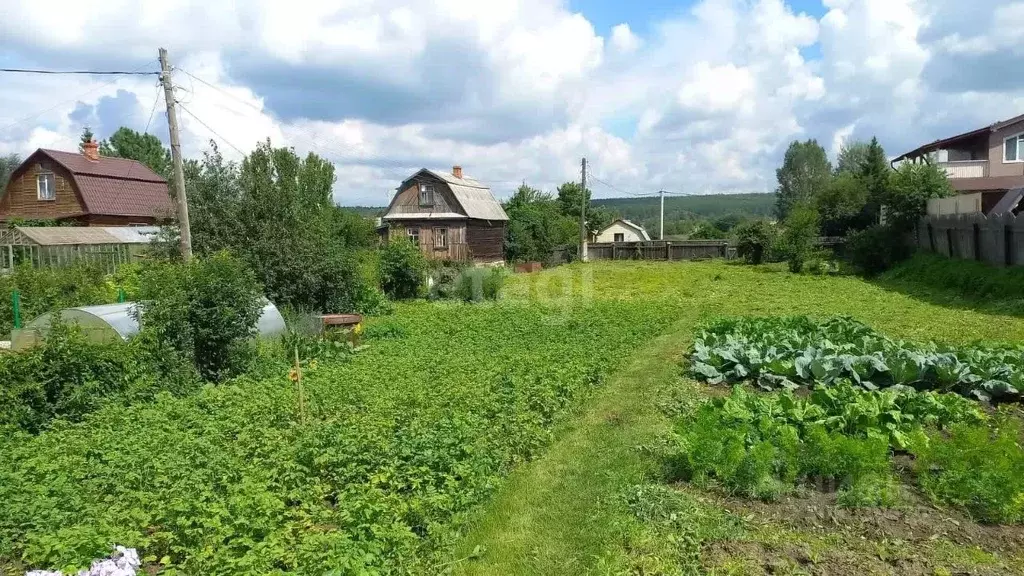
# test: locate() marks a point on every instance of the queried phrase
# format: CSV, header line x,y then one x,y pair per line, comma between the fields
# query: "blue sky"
x,y
698,96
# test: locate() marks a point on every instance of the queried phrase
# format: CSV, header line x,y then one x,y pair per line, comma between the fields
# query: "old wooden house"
x,y
85,189
449,216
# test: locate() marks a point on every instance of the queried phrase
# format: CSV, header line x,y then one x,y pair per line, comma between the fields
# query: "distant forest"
x,y
684,214
711,216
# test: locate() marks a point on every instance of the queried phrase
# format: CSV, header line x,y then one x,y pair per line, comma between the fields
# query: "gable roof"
x,y
474,197
113,186
938,144
639,229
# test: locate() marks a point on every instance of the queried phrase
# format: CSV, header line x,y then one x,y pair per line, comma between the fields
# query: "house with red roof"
x,y
87,189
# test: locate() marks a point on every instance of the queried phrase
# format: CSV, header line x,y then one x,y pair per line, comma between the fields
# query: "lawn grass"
x,y
565,513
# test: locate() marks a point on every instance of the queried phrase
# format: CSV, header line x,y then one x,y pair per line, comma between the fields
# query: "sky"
x,y
686,96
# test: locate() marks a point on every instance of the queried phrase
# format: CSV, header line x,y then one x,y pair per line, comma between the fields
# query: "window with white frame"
x,y
414,235
45,186
1013,148
620,237
440,237
426,195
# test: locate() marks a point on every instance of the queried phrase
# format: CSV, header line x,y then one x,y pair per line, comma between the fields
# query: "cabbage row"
x,y
393,450
786,352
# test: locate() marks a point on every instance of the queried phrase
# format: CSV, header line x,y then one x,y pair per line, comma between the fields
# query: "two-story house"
x,y
86,189
449,216
985,166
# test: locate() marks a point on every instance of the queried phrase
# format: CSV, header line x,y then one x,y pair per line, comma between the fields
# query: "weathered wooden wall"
x,y
654,250
21,199
486,240
998,240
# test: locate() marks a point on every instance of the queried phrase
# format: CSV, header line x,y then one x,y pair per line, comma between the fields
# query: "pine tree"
x,y
86,138
874,173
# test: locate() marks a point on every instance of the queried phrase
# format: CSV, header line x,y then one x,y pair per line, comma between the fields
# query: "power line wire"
x,y
59,104
87,72
215,133
152,111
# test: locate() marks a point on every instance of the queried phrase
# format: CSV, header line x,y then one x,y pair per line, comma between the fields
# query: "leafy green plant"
x,y
792,351
402,268
754,241
876,249
205,310
980,468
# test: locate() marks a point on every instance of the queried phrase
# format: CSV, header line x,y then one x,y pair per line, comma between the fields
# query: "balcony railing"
x,y
965,169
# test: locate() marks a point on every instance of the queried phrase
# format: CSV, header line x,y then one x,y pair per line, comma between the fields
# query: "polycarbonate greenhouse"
x,y
116,322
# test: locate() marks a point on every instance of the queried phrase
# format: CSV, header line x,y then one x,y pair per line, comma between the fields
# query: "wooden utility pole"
x,y
179,173
661,225
583,212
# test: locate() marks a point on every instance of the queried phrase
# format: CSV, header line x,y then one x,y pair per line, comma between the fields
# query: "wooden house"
x,y
86,189
449,216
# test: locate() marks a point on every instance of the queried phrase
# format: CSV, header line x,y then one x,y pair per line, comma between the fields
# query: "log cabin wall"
x,y
21,197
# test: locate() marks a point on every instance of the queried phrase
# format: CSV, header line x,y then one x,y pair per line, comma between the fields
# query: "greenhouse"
x,y
53,246
116,322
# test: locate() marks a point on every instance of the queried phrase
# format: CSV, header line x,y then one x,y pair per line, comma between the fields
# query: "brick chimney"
x,y
457,171
91,150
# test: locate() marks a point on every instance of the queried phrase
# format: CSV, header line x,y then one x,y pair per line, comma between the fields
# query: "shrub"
x,y
68,376
876,249
478,284
798,236
205,310
754,241
444,281
402,268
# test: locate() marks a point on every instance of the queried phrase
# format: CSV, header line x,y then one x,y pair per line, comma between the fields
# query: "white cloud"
x,y
516,90
623,39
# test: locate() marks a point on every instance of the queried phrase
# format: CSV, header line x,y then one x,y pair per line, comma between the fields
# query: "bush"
x,y
754,241
68,376
402,268
205,310
478,284
876,249
798,237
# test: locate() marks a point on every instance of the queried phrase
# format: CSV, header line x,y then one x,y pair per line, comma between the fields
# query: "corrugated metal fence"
x,y
998,239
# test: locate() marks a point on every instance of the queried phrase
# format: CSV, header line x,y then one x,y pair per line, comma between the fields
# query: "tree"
x,y
8,164
874,173
805,171
536,226
214,195
908,191
145,148
570,200
852,157
402,267
798,235
87,136
841,204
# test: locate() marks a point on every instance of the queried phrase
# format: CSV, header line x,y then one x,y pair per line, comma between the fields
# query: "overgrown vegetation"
x,y
46,289
539,222
204,311
402,267
378,474
965,281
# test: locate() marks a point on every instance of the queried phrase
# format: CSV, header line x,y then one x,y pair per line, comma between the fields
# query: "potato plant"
x,y
396,447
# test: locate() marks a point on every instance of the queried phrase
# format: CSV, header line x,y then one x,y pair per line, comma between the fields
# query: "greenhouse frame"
x,y
57,246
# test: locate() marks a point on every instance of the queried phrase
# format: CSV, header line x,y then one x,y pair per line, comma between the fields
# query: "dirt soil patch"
x,y
808,533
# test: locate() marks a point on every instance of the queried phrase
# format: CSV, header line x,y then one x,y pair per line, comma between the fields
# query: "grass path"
x,y
557,515
561,514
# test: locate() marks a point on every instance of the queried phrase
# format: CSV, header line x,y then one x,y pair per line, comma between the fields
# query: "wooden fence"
x,y
655,250
997,239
